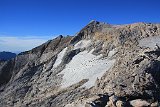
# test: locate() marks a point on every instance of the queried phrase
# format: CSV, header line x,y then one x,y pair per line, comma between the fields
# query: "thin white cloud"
x,y
19,44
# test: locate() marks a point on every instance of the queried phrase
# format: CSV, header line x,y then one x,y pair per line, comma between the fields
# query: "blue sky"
x,y
44,19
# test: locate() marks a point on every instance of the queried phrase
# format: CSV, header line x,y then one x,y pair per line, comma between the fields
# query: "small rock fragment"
x,y
139,103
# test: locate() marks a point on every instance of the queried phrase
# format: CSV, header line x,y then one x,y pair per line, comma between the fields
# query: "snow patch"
x,y
60,57
82,44
150,42
112,52
85,65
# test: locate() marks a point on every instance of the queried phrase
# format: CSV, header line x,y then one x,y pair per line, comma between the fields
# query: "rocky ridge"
x,y
103,65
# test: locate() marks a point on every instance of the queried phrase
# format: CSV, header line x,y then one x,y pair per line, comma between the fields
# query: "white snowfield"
x,y
150,42
59,57
82,44
85,65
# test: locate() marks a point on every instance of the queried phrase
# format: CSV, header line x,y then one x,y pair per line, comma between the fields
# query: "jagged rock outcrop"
x,y
103,65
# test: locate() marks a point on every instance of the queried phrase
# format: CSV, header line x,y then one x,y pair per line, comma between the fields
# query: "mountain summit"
x,y
103,65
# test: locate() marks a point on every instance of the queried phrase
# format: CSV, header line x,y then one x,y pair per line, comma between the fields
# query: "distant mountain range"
x,y
6,55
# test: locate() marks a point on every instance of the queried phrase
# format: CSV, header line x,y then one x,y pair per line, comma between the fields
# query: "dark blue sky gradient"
x,y
54,17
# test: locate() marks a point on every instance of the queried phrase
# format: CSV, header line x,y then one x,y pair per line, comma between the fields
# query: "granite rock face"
x,y
103,65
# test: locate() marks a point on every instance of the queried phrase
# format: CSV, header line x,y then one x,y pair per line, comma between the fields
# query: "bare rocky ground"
x,y
103,65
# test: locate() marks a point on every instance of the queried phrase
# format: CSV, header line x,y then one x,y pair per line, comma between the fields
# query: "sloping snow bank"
x,y
82,44
150,42
85,65
60,57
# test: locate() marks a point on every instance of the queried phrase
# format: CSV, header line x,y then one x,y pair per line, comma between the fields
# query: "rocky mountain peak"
x,y
103,65
93,22
89,30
